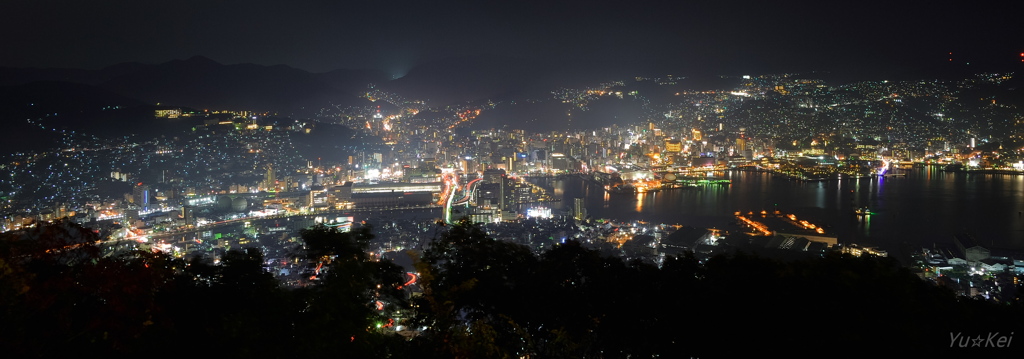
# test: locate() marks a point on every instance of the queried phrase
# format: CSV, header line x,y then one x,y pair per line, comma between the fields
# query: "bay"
x,y
926,207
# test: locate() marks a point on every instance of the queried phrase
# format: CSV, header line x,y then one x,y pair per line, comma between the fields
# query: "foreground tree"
x,y
234,308
57,288
356,301
481,298
475,290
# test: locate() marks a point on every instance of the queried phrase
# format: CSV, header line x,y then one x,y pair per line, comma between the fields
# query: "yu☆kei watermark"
x,y
980,340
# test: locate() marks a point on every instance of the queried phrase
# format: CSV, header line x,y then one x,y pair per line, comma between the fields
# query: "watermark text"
x,y
980,340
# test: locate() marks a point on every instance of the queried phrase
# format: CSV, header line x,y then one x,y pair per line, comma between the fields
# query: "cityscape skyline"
x,y
635,135
519,179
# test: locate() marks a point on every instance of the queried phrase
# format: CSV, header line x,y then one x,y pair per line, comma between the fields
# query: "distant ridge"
x,y
201,82
470,78
204,83
42,99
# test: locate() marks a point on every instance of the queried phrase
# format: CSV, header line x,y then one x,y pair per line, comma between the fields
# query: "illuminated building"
x,y
484,215
188,212
168,113
741,141
538,212
395,187
339,196
318,197
502,187
673,146
858,251
141,195
269,180
559,162
394,194
579,209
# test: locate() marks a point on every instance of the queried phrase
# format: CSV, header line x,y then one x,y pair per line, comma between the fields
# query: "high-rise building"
x,y
579,209
494,175
188,212
141,195
269,179
741,141
505,190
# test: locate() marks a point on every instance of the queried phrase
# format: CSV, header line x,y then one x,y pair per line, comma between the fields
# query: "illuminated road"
x,y
452,186
468,194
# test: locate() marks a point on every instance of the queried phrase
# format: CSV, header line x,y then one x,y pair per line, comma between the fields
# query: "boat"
x,y
863,211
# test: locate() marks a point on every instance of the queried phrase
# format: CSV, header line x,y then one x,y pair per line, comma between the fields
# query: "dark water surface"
x,y
925,207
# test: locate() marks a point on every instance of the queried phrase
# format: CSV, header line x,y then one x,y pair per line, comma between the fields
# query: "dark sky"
x,y
319,35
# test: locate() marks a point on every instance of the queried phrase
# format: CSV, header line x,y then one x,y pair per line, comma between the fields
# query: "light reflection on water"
x,y
926,206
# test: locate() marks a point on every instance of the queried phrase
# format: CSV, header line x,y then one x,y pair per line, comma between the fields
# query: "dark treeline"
x,y
481,298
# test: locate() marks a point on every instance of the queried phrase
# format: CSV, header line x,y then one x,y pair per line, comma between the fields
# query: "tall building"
x,y
141,195
503,187
188,212
579,209
741,141
494,175
269,179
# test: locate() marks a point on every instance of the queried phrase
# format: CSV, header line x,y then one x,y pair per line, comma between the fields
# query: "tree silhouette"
x,y
61,291
57,288
474,284
341,313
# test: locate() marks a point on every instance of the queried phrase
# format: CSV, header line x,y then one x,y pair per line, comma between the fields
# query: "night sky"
x,y
664,36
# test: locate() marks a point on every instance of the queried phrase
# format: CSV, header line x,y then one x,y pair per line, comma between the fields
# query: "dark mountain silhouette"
x,y
200,82
11,76
204,83
120,100
352,81
471,78
44,97
47,101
